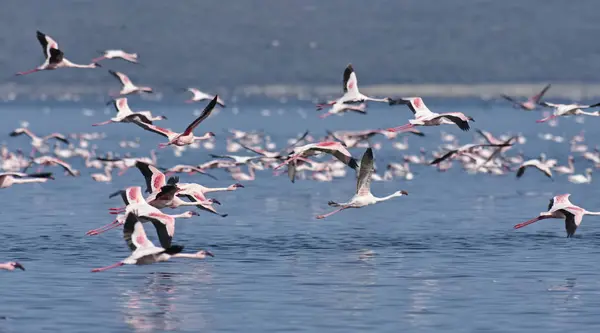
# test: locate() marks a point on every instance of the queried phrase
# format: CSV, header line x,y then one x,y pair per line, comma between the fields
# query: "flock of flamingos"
x,y
487,154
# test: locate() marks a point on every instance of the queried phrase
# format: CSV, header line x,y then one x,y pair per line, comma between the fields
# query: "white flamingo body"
x,y
425,117
54,57
201,96
8,179
568,110
118,54
128,86
126,115
363,196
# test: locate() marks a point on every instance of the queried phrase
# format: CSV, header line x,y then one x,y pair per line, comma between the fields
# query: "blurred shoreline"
x,y
570,91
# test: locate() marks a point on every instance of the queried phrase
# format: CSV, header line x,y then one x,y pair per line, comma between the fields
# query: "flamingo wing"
x,y
134,233
47,43
461,123
510,99
536,98
124,79
155,179
347,72
572,221
363,184
155,129
56,56
164,225
207,110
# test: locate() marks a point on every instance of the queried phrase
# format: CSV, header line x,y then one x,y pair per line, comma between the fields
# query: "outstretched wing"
x,y
207,110
363,184
536,98
462,124
155,179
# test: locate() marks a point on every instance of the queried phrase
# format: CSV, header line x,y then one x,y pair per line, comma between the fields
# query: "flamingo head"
x,y
214,201
203,254
211,134
161,118
471,118
401,193
96,65
190,213
16,265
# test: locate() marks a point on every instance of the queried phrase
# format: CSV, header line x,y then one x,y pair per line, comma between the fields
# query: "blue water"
x,y
445,258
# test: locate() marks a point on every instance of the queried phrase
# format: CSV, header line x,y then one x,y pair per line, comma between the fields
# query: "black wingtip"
x,y
174,249
353,164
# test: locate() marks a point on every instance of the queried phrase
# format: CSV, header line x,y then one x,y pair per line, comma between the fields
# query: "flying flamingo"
x,y
363,196
8,179
531,103
52,161
190,169
112,54
329,147
541,165
201,96
568,110
11,266
36,142
351,92
561,208
425,117
338,108
164,223
125,115
144,251
55,58
128,86
187,137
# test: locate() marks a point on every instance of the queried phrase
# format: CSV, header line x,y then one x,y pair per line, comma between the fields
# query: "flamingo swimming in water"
x,y
363,196
561,208
425,117
144,252
55,58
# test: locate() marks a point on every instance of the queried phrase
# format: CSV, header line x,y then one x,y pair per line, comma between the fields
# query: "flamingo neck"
x,y
591,213
185,255
393,195
28,180
217,189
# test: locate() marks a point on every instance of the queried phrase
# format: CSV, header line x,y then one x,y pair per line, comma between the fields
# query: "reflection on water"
x,y
421,299
154,305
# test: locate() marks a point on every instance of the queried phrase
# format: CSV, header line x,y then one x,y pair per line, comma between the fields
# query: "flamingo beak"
x,y
195,213
404,192
208,253
164,117
19,266
238,185
215,201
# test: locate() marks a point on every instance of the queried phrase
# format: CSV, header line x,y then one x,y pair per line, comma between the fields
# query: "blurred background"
x,y
431,48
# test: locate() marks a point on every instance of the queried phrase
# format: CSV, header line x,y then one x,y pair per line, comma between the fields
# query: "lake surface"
x,y
443,259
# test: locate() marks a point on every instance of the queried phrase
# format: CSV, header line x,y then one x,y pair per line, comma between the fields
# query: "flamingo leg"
x,y
526,223
101,269
189,101
325,115
28,72
102,229
331,213
546,119
98,59
401,128
291,159
123,171
103,123
321,106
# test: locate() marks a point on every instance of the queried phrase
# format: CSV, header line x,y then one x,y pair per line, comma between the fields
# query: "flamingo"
x,y
125,115
144,252
425,117
11,266
103,177
363,196
128,86
541,165
531,102
55,58
190,188
336,149
561,208
338,108
52,161
8,179
237,174
351,92
164,223
187,137
113,54
566,169
201,96
581,179
237,159
466,148
568,110
36,142
189,169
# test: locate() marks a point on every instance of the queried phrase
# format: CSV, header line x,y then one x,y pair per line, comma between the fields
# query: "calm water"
x,y
446,257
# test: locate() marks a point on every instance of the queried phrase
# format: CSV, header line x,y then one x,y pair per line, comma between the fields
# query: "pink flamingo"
x,y
11,266
187,137
336,149
561,208
8,179
112,54
144,252
201,96
531,102
425,117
